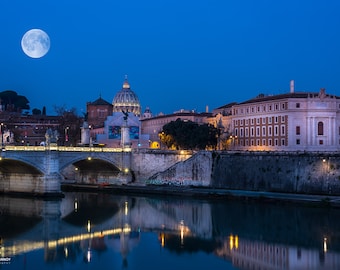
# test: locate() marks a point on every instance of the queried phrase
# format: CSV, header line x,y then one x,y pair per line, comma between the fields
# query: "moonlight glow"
x,y
35,43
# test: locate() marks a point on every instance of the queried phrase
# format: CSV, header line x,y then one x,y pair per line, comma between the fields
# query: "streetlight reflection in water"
x,y
100,229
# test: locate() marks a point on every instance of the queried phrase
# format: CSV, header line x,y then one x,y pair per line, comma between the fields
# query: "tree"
x,y
36,111
181,134
14,102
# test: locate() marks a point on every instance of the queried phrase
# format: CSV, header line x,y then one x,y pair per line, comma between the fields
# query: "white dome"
x,y
126,100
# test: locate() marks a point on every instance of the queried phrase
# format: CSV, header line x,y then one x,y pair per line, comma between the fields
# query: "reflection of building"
x,y
291,121
249,254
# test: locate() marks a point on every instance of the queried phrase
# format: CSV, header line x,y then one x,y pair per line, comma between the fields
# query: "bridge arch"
x,y
16,166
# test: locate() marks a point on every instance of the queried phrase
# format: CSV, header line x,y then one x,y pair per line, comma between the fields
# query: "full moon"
x,y
35,43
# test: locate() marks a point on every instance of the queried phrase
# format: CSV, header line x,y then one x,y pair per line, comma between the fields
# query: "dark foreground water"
x,y
104,231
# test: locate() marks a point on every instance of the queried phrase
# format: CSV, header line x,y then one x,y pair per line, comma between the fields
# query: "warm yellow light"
x,y
89,158
325,244
88,226
126,170
231,242
236,242
162,240
126,209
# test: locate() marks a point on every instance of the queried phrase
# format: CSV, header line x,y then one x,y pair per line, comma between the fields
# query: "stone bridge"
x,y
41,170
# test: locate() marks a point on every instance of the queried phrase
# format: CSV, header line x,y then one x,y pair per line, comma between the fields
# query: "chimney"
x,y
292,86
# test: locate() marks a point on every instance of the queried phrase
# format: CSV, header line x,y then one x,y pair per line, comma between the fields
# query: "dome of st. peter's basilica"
x,y
126,100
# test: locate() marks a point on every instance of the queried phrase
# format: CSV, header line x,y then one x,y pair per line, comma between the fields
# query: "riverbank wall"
x,y
288,172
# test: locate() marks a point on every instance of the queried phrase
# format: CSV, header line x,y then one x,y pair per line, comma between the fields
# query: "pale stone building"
x,y
295,121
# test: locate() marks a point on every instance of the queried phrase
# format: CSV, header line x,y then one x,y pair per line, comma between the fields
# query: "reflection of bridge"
x,y
40,169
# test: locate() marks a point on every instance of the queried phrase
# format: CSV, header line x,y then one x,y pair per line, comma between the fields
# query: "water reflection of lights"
x,y
233,242
325,244
88,255
184,230
27,246
88,226
126,209
75,205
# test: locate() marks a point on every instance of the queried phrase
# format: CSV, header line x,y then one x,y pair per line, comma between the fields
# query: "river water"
x,y
107,231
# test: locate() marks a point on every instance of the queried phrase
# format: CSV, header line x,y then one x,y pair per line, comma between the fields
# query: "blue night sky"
x,y
177,54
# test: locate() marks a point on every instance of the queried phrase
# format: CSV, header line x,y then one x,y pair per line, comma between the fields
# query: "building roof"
x,y
100,102
263,97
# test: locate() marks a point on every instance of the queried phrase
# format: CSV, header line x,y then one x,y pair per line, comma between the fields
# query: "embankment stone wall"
x,y
277,171
293,172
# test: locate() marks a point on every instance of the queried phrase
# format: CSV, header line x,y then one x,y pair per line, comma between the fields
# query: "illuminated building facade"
x,y
295,121
154,125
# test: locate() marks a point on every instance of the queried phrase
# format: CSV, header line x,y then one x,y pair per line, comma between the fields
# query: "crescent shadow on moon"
x,y
35,43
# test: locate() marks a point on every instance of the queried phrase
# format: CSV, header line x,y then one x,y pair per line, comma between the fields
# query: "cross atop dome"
x,y
126,84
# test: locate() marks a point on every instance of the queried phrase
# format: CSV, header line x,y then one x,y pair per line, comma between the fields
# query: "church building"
x,y
117,124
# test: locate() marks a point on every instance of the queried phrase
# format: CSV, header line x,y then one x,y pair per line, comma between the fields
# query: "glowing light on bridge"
x,y
65,148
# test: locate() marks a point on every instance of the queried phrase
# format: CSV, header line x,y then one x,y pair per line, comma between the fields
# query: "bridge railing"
x,y
64,148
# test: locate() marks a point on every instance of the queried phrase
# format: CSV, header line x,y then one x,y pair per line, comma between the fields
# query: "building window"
x,y
321,142
297,141
276,142
264,142
283,106
263,131
276,107
270,142
241,132
282,130
320,128
263,120
257,142
252,121
270,131
269,120
282,142
297,132
297,105
258,121
247,132
276,132
252,132
282,119
257,131
276,119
